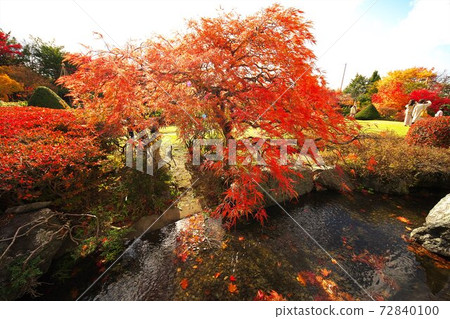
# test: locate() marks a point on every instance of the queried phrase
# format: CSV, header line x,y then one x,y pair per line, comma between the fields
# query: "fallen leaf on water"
x,y
232,288
275,296
217,275
272,296
232,278
301,280
241,238
438,261
195,266
178,269
408,228
325,272
404,220
224,245
278,264
333,261
184,283
406,238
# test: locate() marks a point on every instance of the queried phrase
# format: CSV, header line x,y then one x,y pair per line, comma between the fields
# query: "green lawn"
x,y
374,126
377,126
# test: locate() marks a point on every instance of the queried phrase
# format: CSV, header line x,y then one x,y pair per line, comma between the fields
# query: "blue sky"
x,y
391,11
390,35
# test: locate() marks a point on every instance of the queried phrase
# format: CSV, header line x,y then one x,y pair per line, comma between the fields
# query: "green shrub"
x,y
432,131
45,97
368,113
18,103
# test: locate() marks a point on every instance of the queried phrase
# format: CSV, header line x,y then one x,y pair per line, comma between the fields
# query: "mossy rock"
x,y
45,97
368,113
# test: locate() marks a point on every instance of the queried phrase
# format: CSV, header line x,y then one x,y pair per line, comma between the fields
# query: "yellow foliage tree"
x,y
394,89
8,86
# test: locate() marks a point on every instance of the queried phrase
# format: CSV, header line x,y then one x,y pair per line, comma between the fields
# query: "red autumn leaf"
x,y
184,283
300,279
183,256
271,296
260,296
232,278
403,220
371,164
275,296
325,272
217,275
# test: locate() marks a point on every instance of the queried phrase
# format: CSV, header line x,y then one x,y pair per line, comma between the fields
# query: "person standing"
x,y
408,112
419,110
440,112
353,110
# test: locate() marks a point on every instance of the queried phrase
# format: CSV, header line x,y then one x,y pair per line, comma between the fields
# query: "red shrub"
x,y
433,131
44,153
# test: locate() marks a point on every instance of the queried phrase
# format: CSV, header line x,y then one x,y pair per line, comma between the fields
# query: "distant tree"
x,y
443,80
434,95
8,87
28,78
372,87
45,58
362,88
394,89
9,48
357,86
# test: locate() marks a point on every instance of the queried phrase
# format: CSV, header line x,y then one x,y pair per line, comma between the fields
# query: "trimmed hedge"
x,y
45,97
368,113
432,131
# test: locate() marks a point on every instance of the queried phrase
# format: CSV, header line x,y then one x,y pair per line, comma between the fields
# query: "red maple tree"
x,y
226,77
8,49
434,95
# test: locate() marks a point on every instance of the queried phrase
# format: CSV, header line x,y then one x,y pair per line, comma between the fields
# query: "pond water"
x,y
339,247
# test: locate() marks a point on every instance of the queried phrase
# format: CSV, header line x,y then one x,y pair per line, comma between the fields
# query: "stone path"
x,y
188,203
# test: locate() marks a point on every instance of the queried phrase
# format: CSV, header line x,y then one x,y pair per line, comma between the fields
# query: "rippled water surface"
x,y
366,235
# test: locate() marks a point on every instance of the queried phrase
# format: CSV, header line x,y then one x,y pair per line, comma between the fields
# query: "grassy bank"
x,y
377,126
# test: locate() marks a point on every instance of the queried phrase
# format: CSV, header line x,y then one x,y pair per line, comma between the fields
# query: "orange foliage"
x,y
184,283
395,88
8,86
300,279
232,288
403,220
271,296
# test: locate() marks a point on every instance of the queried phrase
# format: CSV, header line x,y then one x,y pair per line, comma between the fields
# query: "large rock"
x,y
302,185
440,214
35,234
333,179
434,235
400,187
